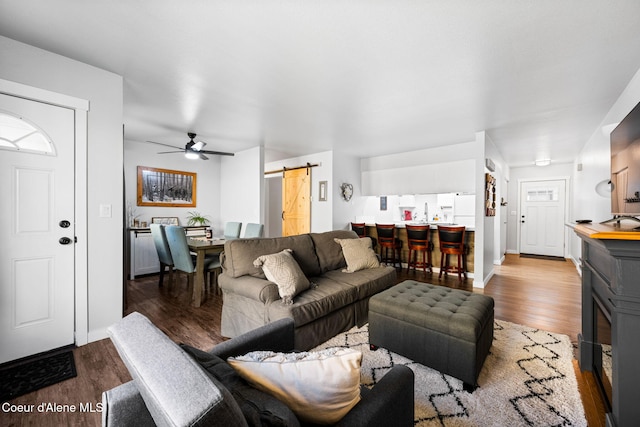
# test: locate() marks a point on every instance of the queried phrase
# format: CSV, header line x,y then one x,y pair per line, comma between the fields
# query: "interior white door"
x,y
37,231
542,212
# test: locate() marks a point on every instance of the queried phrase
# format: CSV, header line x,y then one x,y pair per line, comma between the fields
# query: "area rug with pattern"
x,y
527,380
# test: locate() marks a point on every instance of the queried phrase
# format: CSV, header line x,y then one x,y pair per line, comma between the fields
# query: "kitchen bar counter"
x,y
469,237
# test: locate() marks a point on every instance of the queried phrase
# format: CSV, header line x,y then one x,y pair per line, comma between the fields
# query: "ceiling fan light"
x,y
191,155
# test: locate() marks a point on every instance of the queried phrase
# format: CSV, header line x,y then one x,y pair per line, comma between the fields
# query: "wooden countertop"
x,y
433,225
626,231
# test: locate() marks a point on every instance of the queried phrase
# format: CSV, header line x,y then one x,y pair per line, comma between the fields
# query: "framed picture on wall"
x,y
322,193
383,203
165,187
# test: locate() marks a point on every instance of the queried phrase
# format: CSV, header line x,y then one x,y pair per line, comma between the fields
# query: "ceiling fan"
x,y
192,149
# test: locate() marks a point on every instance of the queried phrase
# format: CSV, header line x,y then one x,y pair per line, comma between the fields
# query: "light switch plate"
x,y
105,211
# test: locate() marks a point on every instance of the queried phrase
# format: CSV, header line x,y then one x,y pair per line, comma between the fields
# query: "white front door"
x,y
542,216
37,227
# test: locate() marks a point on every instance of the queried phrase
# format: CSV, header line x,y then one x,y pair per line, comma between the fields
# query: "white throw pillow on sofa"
x,y
283,270
358,253
319,387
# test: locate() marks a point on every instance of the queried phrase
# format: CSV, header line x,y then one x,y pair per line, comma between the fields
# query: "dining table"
x,y
202,246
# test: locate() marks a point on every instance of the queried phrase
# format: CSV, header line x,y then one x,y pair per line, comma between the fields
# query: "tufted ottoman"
x,y
449,330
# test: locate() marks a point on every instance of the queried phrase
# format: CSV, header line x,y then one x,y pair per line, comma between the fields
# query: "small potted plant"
x,y
194,218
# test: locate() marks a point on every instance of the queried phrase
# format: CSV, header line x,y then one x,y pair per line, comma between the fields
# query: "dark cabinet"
x,y
609,344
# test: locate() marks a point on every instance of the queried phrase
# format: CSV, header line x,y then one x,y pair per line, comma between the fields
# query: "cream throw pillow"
x,y
319,387
358,254
283,270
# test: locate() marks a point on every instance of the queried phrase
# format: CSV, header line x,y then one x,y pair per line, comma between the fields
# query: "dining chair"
x,y
452,243
232,230
182,258
253,230
164,253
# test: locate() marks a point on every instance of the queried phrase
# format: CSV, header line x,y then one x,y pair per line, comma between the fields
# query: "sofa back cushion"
x,y
328,251
175,389
240,254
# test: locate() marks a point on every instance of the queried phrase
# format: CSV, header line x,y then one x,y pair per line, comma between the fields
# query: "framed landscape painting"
x,y
165,187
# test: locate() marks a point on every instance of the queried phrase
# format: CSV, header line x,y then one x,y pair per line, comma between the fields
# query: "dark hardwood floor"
x,y
538,293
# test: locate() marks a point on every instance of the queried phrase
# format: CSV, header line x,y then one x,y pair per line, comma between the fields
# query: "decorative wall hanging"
x,y
383,203
347,191
322,191
490,195
164,187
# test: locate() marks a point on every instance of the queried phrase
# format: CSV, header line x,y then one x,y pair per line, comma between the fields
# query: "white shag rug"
x,y
527,380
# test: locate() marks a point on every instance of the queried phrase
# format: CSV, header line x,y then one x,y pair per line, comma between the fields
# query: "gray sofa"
x,y
182,386
338,302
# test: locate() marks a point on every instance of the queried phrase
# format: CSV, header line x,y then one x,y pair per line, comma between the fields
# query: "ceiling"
x,y
365,78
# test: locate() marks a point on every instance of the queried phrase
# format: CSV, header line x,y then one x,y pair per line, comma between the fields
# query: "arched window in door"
x,y
18,134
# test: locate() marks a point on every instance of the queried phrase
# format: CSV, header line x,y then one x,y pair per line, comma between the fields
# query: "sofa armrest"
x,y
123,406
389,403
250,287
277,336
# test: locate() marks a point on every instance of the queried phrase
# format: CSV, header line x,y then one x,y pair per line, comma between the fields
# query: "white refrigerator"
x,y
464,209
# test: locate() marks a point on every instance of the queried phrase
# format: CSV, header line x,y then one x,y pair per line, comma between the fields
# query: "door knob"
x,y
64,224
64,240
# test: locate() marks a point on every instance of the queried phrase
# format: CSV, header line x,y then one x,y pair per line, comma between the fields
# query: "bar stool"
x,y
388,240
418,241
452,243
361,230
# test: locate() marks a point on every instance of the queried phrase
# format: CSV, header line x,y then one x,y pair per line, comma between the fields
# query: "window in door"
x,y
17,134
542,195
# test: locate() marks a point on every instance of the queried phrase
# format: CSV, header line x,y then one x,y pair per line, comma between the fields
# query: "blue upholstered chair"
x,y
182,259
232,230
164,253
253,230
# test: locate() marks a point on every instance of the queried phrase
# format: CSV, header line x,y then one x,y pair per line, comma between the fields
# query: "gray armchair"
x,y
171,388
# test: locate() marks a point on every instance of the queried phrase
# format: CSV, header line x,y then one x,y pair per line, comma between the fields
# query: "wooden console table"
x,y
611,312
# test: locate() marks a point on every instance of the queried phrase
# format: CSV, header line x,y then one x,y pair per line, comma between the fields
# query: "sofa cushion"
x,y
358,254
320,387
259,408
329,252
315,302
283,270
175,389
365,283
240,254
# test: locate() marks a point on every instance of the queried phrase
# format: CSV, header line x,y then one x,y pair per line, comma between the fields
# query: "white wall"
x,y
35,67
493,251
446,169
321,212
242,188
207,182
346,169
595,161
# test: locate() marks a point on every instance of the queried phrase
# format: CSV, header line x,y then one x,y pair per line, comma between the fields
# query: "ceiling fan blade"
x,y
167,152
217,153
202,156
198,146
166,145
